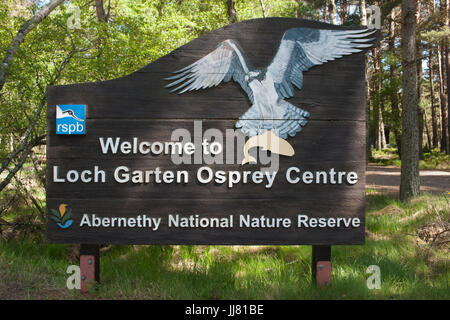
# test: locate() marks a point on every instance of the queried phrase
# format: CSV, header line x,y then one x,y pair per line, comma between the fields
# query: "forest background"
x,y
56,42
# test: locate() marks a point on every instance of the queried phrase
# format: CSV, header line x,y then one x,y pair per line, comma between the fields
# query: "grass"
x,y
431,160
410,267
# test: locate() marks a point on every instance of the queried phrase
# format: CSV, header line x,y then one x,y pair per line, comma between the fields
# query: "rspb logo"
x,y
70,119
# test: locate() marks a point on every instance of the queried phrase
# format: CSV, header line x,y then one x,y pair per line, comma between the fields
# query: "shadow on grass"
x,y
376,202
150,272
243,272
224,272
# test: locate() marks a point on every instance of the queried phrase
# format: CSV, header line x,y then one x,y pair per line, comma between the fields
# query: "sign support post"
x,y
89,266
321,265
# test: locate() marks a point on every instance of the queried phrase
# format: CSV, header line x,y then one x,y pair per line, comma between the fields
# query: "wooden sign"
x,y
251,134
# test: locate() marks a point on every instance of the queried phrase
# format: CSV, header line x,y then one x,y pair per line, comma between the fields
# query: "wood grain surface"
x,y
138,105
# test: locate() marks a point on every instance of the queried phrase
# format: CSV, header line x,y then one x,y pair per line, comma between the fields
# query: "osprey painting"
x,y
66,114
300,49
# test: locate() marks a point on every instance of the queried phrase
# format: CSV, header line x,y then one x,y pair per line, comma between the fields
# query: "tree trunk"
x,y
376,101
344,11
363,12
263,8
232,17
101,15
28,143
442,100
409,182
381,130
333,12
419,84
381,140
368,132
25,28
427,130
447,67
448,98
394,95
372,111
434,123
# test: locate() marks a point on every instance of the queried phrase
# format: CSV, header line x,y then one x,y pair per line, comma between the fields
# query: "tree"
x,y
20,37
443,55
434,117
447,58
363,12
410,180
232,17
56,54
380,140
435,32
30,139
421,111
333,12
101,14
363,21
393,83
263,8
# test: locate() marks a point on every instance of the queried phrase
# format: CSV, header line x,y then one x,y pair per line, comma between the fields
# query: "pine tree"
x,y
410,181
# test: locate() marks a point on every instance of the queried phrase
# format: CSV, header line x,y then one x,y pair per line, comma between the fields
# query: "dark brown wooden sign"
x,y
110,183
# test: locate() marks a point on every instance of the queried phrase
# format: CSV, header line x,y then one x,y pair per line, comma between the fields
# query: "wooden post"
x,y
321,265
89,266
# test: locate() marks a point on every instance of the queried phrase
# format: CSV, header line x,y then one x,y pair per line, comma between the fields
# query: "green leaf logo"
x,y
62,216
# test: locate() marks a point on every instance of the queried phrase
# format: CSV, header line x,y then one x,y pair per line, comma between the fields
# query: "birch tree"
x,y
20,38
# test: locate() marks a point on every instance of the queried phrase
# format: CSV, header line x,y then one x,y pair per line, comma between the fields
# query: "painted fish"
x,y
267,141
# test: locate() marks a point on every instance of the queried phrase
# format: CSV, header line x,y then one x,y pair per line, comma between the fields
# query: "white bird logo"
x,y
66,114
299,50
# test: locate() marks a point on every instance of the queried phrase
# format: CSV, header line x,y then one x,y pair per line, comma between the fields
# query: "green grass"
x,y
409,268
431,160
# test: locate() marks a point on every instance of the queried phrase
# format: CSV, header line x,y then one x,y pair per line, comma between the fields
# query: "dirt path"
x,y
387,179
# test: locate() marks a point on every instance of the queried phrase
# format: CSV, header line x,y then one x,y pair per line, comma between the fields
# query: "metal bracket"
x,y
321,265
87,272
89,267
323,273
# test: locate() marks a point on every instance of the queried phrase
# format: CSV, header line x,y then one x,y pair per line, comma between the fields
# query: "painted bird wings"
x,y
299,50
226,62
303,48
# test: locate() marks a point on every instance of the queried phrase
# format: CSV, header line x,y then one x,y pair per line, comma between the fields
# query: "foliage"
x,y
138,32
435,159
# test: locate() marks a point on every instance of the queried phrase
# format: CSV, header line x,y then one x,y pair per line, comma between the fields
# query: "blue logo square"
x,y
71,119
